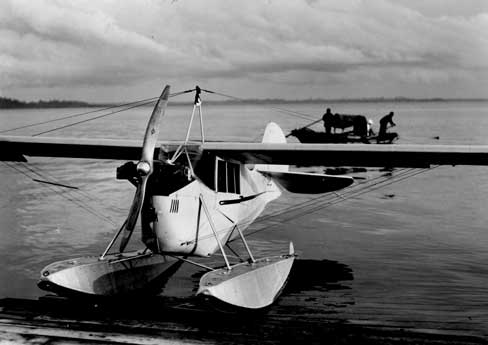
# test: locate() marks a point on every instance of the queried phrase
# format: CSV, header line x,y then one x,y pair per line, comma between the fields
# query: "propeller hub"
x,y
143,168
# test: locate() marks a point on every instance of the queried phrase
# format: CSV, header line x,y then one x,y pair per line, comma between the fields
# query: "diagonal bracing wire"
x,y
135,103
324,201
91,119
282,110
127,106
51,179
321,206
328,197
111,113
95,212
76,115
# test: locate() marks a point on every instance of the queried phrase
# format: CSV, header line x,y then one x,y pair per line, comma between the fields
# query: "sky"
x,y
107,50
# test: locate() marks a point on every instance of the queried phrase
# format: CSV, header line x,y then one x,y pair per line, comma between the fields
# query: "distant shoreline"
x,y
10,103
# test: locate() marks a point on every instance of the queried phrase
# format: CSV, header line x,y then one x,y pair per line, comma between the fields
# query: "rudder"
x,y
273,134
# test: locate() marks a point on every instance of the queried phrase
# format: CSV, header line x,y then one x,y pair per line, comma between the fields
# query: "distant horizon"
x,y
12,103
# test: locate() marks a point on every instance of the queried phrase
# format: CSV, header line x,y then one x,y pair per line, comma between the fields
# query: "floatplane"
x,y
193,198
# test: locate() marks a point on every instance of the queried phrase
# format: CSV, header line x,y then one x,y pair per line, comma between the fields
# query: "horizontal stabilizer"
x,y
309,183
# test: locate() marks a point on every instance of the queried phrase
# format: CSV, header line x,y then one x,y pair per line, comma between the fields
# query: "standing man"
x,y
328,118
369,128
384,122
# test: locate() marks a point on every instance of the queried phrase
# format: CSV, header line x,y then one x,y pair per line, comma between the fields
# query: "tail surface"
x,y
273,134
298,182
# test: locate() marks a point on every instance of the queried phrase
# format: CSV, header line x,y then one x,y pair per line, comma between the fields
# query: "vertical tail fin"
x,y
273,134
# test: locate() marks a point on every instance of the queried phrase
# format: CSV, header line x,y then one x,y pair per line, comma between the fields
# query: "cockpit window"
x,y
221,176
228,177
167,179
233,181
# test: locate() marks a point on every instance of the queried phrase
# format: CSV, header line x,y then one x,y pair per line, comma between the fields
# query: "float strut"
x,y
112,241
245,245
212,226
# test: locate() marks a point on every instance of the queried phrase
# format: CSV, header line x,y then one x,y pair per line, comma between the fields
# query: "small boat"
x,y
309,136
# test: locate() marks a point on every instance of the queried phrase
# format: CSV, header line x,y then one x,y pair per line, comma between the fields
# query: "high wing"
x,y
15,147
364,155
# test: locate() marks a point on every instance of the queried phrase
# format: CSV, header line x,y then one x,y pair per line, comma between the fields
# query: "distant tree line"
x,y
352,100
11,103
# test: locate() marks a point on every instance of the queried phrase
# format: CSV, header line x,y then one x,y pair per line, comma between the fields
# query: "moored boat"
x,y
309,136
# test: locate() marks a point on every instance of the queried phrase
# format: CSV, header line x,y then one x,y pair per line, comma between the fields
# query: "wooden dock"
x,y
54,320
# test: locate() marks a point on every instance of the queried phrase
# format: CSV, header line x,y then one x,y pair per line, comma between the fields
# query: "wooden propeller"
x,y
145,166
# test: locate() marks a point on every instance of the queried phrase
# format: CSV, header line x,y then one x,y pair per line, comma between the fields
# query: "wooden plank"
x,y
24,333
168,321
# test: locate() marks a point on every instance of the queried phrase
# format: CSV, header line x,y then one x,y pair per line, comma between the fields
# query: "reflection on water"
x,y
418,248
321,275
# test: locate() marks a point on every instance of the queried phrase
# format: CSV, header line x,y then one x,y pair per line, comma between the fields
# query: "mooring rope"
x,y
327,200
282,110
322,205
94,211
76,115
139,104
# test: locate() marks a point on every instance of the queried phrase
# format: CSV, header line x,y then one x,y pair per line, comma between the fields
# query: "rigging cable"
x,y
77,202
328,199
318,203
90,119
81,203
76,115
111,113
77,199
348,191
50,179
92,111
285,111
328,204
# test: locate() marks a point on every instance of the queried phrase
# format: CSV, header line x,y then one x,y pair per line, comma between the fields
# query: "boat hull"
x,y
115,275
309,136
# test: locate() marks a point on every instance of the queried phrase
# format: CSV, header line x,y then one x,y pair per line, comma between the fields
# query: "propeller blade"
x,y
135,209
152,129
145,166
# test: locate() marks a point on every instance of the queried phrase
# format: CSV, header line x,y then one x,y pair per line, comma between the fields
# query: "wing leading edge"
x,y
13,146
363,155
256,153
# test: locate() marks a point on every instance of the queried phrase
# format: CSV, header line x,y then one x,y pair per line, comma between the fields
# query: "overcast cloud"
x,y
126,50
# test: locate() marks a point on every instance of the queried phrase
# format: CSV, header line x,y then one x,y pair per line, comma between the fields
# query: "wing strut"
x,y
196,104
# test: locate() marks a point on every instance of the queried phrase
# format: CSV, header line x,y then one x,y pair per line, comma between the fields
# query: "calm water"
x,y
410,254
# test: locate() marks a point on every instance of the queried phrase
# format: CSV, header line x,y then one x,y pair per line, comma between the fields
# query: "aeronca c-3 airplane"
x,y
195,197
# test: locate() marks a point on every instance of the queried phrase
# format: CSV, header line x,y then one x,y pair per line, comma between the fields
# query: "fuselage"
x,y
220,193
